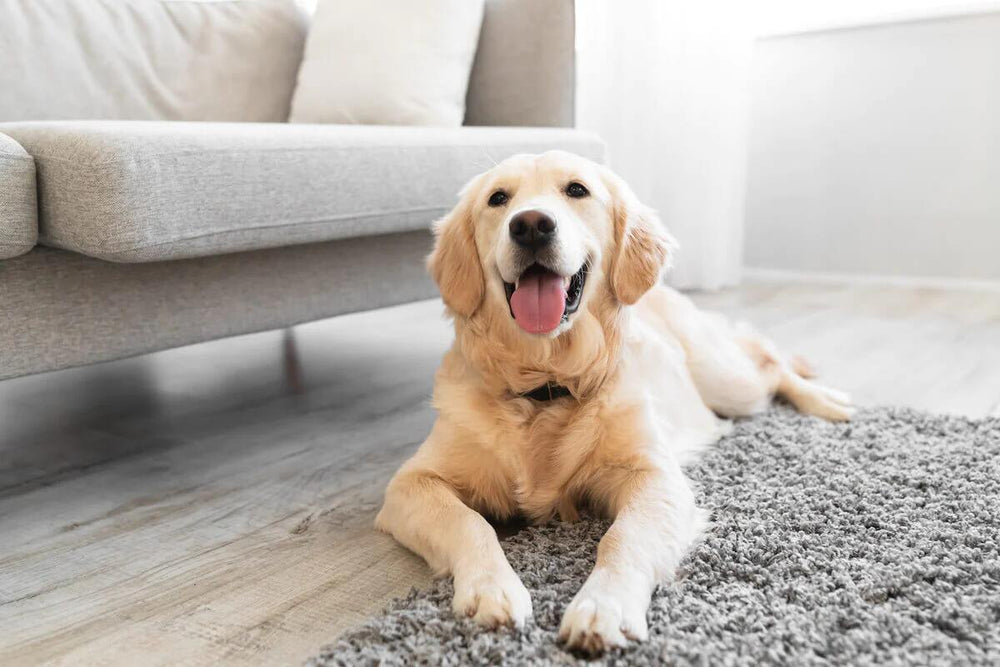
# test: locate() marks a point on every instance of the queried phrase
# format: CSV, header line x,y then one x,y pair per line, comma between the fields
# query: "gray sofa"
x,y
138,229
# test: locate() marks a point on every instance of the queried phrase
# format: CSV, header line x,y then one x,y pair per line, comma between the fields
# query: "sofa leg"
x,y
292,365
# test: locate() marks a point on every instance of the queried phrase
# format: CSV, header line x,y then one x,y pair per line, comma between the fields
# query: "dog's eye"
x,y
498,198
576,190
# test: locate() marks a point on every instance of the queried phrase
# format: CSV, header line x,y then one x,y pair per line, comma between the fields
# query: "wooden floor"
x,y
213,504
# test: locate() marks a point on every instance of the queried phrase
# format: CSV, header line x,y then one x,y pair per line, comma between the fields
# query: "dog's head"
x,y
539,236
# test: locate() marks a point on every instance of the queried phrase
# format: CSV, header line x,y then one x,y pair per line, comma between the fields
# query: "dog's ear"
x,y
643,247
454,262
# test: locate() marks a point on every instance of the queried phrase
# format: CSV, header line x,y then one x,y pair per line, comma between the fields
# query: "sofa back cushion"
x,y
232,60
525,65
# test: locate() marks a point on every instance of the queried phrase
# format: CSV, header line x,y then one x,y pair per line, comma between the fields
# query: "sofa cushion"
x,y
18,210
149,59
525,65
415,73
139,192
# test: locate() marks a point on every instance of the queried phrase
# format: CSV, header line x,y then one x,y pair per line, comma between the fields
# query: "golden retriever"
x,y
575,380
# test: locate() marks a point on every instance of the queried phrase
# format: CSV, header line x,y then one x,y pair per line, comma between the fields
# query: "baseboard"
x,y
835,278
861,20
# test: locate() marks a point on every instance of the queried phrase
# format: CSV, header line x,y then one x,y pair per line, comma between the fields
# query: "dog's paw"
x,y
492,598
832,404
598,619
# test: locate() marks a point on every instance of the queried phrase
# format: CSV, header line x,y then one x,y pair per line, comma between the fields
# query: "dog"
x,y
575,381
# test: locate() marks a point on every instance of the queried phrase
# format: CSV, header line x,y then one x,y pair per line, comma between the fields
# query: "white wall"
x,y
666,84
877,150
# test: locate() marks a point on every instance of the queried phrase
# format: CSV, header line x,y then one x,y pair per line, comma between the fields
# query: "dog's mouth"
x,y
541,299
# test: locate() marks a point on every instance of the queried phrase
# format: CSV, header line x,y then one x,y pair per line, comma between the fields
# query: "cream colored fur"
x,y
652,379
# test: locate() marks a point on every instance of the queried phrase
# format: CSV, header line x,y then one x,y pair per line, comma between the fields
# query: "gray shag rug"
x,y
873,542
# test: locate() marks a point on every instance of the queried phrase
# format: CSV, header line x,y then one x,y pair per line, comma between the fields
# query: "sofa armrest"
x,y
18,207
524,68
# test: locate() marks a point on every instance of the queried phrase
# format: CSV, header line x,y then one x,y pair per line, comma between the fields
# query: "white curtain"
x,y
666,84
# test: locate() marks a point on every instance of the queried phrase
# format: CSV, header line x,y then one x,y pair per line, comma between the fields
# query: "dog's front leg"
x,y
656,520
425,514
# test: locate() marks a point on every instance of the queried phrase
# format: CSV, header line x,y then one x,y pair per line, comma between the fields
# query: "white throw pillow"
x,y
388,62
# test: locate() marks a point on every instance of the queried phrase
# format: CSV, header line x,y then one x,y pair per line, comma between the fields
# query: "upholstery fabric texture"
x,y
525,63
149,59
875,542
141,191
18,209
392,62
61,309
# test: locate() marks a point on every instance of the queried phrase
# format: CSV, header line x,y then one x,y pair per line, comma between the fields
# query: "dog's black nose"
x,y
532,229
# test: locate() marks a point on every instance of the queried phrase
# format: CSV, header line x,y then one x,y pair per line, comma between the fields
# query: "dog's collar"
x,y
547,392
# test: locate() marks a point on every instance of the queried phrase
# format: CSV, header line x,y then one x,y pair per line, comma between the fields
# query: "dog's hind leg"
x,y
802,367
812,398
734,376
793,383
736,370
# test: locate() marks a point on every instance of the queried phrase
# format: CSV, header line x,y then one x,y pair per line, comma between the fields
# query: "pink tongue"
x,y
539,301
